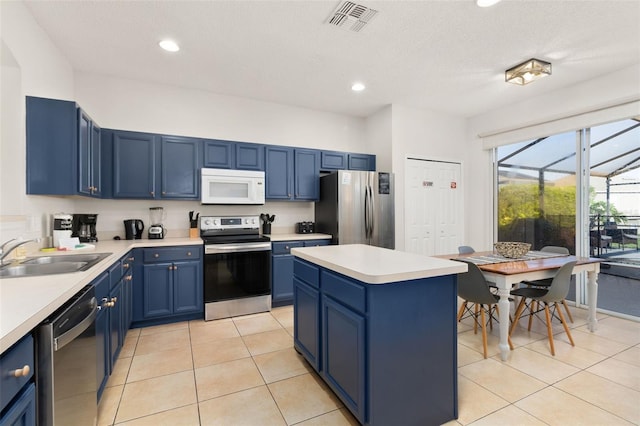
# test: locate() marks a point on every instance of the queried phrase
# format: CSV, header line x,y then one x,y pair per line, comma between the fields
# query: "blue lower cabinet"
x,y
282,269
172,288
158,290
187,287
23,410
306,319
343,354
388,351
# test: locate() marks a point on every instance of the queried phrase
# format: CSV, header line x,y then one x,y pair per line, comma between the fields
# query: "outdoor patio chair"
x,y
633,238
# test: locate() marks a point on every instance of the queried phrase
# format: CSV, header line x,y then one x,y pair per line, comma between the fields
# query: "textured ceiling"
x,y
447,56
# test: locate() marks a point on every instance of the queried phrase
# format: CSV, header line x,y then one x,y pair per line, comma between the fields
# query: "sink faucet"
x,y
5,252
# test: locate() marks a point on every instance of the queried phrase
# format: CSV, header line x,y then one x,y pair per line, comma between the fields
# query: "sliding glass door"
x,y
579,190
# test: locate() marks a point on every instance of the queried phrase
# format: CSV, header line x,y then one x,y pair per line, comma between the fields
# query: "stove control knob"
x,y
215,221
207,222
253,221
246,221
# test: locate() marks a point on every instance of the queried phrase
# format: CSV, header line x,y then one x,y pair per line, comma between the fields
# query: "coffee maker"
x,y
84,227
62,227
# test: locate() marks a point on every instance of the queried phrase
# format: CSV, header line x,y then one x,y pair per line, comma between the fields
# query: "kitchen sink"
x,y
48,265
91,258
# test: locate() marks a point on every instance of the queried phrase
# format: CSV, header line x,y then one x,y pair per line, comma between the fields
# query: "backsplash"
x,y
111,213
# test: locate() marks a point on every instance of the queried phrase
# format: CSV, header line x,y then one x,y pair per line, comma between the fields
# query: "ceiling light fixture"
x,y
486,3
358,87
169,45
528,71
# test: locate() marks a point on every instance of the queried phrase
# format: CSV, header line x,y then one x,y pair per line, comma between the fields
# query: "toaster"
x,y
305,227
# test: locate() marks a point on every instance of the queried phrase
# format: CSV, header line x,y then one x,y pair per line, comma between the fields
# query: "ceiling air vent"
x,y
351,16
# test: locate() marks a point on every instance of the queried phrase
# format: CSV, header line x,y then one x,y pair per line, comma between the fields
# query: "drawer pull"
x,y
286,247
188,253
21,372
128,278
156,255
131,259
125,265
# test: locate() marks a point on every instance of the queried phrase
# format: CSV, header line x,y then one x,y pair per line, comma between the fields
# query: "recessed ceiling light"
x,y
486,3
357,87
169,45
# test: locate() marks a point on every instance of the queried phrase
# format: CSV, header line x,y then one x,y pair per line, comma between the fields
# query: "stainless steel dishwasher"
x,y
66,376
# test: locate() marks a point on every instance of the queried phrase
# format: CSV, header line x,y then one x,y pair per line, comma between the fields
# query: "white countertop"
x,y
375,265
297,237
25,302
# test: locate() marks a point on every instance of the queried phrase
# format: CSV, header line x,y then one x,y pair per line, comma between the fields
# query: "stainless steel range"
x,y
237,266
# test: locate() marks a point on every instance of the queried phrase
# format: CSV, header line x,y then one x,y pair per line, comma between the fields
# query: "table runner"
x,y
496,258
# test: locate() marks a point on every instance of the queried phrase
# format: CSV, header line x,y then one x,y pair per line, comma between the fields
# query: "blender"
x,y
156,230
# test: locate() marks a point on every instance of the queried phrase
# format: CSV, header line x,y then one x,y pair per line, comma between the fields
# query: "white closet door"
x,y
433,207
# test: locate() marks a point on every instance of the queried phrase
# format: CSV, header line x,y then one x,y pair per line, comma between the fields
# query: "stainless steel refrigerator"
x,y
357,207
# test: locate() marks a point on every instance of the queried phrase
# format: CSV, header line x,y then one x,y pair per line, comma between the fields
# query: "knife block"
x,y
193,233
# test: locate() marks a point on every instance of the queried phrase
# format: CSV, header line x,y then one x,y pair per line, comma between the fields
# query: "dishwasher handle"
x,y
66,338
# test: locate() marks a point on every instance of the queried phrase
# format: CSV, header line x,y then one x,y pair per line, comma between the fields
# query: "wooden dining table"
x,y
506,274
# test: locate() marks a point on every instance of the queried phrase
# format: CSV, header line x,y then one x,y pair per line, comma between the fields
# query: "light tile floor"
x,y
244,371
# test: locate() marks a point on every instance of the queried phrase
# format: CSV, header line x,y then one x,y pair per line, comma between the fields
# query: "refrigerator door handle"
x,y
372,216
366,212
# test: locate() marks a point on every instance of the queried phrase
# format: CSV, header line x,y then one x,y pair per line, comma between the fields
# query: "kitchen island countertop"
x,y
26,301
376,265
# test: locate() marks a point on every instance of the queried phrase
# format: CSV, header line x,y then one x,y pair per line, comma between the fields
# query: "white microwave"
x,y
222,186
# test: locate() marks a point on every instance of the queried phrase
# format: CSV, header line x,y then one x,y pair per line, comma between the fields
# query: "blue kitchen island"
x,y
379,327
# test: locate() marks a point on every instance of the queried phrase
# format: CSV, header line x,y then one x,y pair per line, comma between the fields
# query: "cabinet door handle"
x,y
153,194
114,300
21,372
128,278
131,259
164,192
125,265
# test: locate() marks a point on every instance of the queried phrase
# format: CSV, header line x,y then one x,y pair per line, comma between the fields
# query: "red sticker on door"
x,y
454,185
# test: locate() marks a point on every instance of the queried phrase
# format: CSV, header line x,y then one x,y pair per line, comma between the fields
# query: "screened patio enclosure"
x,y
538,202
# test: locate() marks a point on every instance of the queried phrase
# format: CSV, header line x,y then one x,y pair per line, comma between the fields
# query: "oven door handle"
x,y
236,248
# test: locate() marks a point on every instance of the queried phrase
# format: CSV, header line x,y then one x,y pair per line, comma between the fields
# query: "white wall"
x,y
424,134
379,135
133,105
31,65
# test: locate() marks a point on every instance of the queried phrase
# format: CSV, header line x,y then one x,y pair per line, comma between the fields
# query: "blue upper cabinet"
x,y
249,156
362,162
306,174
52,147
149,166
89,156
279,173
134,168
219,154
180,162
292,174
333,160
